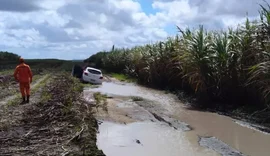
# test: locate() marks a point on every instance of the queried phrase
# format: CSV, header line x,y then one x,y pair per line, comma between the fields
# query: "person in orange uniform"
x,y
23,75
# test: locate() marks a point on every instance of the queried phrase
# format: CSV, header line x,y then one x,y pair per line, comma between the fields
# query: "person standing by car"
x,y
23,75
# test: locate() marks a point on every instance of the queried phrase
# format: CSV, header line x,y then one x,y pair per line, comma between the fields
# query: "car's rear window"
x,y
94,72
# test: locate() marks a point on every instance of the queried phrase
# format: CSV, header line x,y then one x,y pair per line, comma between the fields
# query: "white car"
x,y
92,75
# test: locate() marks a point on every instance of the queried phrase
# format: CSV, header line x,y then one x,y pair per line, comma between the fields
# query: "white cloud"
x,y
54,4
71,29
127,5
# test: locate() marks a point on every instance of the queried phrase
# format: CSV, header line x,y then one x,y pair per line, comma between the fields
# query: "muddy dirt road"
x,y
147,122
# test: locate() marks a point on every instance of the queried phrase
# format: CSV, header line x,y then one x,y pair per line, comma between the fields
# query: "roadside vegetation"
x,y
122,77
58,112
225,70
101,101
57,121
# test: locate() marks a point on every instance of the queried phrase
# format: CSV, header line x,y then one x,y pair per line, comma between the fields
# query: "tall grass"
x,y
230,66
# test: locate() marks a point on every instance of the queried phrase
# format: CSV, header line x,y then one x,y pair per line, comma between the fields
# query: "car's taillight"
x,y
101,77
86,74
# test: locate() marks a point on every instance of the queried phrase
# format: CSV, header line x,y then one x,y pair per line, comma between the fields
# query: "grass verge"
x,y
101,101
89,85
14,101
136,98
6,72
122,77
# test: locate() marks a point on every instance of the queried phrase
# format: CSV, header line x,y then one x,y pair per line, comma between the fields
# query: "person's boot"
x,y
23,100
27,98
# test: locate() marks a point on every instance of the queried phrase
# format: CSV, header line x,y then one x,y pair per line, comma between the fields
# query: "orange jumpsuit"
x,y
24,75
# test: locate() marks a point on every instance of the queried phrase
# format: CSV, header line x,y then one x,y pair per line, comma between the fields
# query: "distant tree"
x,y
7,56
96,60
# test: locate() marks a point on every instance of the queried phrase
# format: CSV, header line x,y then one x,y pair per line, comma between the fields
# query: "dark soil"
x,y
61,123
8,85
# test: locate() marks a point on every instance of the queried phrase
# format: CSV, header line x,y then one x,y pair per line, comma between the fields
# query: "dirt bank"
x,y
57,122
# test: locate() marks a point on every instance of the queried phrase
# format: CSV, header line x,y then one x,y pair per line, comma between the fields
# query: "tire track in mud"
x,y
176,124
158,114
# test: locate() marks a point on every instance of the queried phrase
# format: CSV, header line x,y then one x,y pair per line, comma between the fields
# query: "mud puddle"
x,y
164,116
254,127
132,90
145,139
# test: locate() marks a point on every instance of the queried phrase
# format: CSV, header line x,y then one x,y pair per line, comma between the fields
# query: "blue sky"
x,y
147,6
69,29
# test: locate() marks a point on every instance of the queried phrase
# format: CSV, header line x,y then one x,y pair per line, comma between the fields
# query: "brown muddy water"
x,y
160,125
